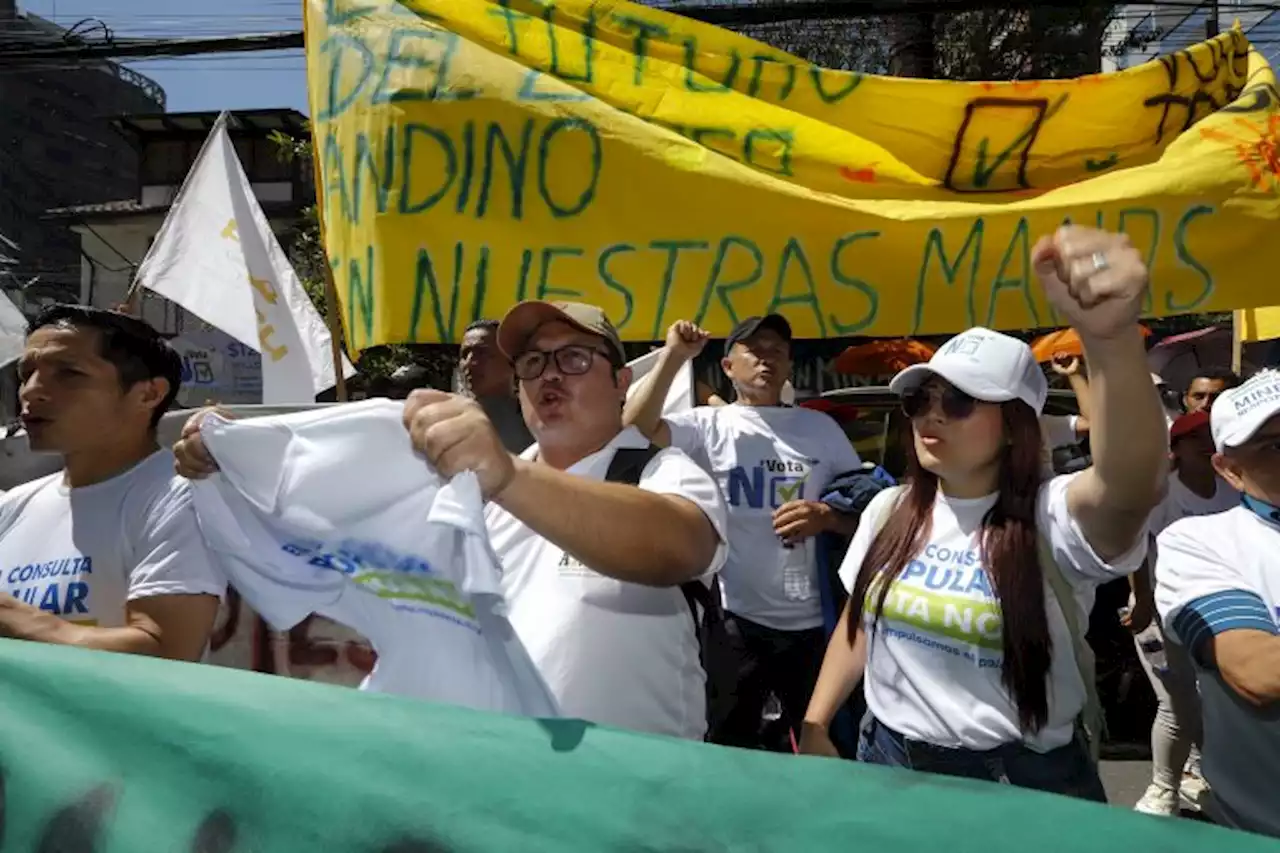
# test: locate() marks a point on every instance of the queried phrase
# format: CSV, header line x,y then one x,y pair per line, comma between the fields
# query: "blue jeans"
x,y
1067,770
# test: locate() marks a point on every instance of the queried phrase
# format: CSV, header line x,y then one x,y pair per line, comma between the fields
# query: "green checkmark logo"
x,y
792,492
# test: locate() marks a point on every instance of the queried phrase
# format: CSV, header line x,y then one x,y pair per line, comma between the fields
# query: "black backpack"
x,y
703,600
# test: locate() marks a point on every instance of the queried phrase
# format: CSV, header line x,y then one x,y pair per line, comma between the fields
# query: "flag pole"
x,y
334,319
1237,341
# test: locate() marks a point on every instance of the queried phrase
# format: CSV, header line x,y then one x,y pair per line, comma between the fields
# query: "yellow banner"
x,y
474,153
1258,324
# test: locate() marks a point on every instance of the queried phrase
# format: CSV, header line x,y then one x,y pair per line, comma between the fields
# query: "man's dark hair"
x,y
136,349
1216,374
482,326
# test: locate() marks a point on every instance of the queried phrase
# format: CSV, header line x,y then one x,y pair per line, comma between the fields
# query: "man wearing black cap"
x,y
773,463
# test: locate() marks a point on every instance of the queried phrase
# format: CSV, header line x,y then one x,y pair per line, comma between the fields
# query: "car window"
x,y
867,431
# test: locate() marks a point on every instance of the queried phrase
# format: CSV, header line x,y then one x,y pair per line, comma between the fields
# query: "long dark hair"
x,y
1010,553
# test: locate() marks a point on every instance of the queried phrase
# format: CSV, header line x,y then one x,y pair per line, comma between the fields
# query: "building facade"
x,y
116,235
1143,31
58,148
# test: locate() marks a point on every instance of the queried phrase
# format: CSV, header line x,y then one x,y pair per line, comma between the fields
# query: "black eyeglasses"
x,y
572,360
956,404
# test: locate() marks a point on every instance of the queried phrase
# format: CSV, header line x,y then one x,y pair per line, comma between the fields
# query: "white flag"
x,y
217,257
13,331
679,397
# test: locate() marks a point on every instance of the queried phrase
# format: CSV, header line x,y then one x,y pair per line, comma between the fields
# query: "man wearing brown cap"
x,y
591,569
773,462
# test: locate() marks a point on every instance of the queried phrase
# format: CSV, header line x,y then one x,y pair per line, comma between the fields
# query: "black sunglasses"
x,y
571,360
956,404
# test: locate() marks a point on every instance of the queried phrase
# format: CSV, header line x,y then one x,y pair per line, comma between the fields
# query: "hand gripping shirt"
x,y
332,512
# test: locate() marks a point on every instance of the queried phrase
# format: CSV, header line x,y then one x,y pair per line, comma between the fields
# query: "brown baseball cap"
x,y
526,317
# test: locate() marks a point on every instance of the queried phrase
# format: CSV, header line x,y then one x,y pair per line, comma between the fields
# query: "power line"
x,y
144,47
747,14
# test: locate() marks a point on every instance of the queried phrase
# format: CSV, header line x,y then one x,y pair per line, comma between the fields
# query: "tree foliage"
x,y
381,367
1015,42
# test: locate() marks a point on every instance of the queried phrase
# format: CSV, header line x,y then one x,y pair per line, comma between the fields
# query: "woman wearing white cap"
x,y
971,587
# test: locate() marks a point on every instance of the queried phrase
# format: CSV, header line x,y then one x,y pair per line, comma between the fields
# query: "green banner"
x,y
112,754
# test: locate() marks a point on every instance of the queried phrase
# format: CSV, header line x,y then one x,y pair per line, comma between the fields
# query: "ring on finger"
x,y
1100,262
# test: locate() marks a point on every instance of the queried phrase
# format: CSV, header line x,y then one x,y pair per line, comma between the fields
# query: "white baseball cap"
x,y
1239,413
986,365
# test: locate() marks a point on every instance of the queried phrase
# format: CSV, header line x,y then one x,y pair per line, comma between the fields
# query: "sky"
x,y
234,81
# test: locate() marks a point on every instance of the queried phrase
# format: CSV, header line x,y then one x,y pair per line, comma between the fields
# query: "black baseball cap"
x,y
751,325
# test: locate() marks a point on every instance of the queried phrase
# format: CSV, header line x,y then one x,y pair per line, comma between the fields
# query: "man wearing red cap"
x,y
1194,489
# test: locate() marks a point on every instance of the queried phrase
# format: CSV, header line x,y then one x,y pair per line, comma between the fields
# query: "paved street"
x,y
1125,781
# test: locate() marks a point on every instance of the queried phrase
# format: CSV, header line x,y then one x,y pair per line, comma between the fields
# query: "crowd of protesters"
x,y
662,571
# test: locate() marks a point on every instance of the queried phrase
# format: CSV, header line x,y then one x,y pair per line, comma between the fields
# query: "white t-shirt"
x,y
614,653
1216,574
1180,502
331,512
83,553
933,668
764,457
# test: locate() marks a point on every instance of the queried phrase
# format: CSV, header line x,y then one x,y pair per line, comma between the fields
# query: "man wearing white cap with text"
x,y
1218,593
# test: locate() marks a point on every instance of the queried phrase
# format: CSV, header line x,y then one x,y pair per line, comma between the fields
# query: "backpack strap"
x,y
1091,717
627,465
881,518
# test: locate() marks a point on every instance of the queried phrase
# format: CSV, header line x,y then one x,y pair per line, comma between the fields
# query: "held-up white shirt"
x,y
933,664
764,457
614,653
83,553
1216,574
332,512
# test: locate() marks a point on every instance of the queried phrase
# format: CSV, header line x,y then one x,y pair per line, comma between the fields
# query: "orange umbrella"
x,y
1064,342
882,357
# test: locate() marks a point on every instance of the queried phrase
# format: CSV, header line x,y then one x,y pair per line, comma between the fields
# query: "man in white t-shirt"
x,y
105,554
1194,489
1218,594
773,463
592,570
